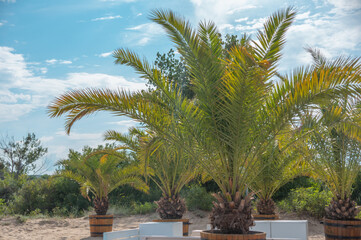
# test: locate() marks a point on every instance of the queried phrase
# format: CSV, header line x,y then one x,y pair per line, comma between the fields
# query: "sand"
x,y
78,228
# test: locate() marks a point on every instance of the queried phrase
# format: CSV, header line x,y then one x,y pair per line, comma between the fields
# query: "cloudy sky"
x,y
49,47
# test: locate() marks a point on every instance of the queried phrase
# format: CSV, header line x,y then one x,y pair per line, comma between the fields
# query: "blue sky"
x,y
49,47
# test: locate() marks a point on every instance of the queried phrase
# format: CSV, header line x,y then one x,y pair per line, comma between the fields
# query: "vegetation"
x,y
237,111
307,201
197,198
101,172
335,145
167,165
19,157
274,169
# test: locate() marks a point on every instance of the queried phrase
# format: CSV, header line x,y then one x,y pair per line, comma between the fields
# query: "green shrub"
x,y
60,194
299,182
2,206
356,194
143,208
197,197
311,201
127,195
10,185
31,196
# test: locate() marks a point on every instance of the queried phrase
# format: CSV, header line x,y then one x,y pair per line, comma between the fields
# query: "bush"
x,y
143,208
10,185
56,196
311,201
197,197
356,194
127,195
299,182
2,206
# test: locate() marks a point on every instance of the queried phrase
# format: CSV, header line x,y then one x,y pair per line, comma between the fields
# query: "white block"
x,y
170,229
262,226
297,229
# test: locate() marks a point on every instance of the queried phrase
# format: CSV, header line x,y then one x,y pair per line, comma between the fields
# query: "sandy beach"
x,y
78,228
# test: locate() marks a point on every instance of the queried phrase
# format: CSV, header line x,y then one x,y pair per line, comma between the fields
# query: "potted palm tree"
x,y
170,167
237,111
336,160
276,166
98,174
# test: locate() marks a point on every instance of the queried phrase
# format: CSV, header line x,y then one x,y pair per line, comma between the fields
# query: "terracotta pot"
x,y
185,221
265,217
216,235
342,229
100,224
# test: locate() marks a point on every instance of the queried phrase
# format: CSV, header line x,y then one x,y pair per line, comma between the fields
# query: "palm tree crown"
x,y
237,110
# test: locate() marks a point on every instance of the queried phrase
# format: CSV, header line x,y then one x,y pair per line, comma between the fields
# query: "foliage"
x,y
10,185
126,195
45,194
32,195
275,168
2,207
143,208
175,71
356,193
298,182
167,165
197,198
311,201
99,174
237,110
19,157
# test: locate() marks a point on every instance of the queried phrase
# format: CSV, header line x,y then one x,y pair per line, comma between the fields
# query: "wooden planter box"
x,y
213,235
342,229
100,224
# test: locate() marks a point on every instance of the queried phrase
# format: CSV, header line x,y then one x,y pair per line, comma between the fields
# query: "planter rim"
x,y
179,219
345,220
96,215
250,233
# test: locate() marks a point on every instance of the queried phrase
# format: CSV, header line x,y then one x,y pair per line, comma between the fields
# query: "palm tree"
x,y
237,111
335,144
167,165
274,168
101,175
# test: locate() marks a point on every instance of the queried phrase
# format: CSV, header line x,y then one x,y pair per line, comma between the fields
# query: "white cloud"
x,y
1,24
65,62
145,32
304,15
12,65
106,54
46,139
345,4
106,18
139,14
220,11
252,25
239,9
241,19
53,61
333,34
35,91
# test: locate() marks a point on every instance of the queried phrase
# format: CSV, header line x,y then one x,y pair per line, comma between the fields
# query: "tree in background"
x,y
19,157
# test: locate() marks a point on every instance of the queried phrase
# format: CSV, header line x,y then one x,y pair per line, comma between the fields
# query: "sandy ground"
x,y
78,228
